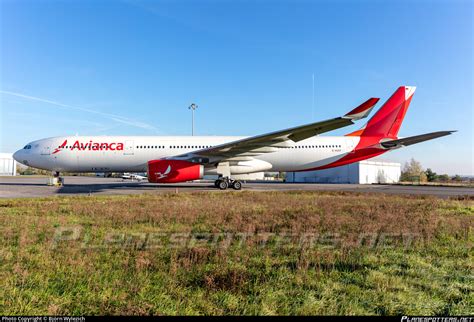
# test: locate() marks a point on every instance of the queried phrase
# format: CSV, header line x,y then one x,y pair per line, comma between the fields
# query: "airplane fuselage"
x,y
132,153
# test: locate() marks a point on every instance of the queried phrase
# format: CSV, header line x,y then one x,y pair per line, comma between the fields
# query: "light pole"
x,y
192,107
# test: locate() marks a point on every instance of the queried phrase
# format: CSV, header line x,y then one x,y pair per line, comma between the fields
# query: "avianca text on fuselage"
x,y
92,146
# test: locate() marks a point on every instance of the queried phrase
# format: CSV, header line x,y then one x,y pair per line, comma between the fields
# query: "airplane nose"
x,y
16,155
21,157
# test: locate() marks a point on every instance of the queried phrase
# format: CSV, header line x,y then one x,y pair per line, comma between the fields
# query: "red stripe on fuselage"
x,y
364,150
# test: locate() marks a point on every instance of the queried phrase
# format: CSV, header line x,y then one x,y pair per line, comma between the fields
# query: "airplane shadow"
x,y
22,184
91,188
125,187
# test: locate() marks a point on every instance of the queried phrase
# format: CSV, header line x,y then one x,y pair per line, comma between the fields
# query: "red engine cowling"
x,y
169,171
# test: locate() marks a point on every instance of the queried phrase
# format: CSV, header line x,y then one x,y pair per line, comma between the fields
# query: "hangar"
x,y
7,164
362,172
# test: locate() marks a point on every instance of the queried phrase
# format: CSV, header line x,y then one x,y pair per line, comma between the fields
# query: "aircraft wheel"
x,y
237,185
216,183
223,185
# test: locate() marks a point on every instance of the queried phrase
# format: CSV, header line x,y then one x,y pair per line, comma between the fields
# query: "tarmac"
x,y
32,186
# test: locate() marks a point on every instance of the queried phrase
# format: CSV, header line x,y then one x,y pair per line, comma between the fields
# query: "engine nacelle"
x,y
251,166
170,171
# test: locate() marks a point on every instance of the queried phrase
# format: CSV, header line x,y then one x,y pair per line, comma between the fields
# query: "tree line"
x,y
414,172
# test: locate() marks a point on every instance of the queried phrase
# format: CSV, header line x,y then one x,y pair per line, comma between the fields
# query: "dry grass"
x,y
288,253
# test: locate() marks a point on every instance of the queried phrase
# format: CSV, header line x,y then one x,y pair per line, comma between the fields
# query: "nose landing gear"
x,y
224,183
56,180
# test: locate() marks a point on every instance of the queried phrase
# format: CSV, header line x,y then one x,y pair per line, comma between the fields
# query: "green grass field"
x,y
237,253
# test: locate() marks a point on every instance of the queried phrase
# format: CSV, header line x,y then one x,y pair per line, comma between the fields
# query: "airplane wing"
x,y
395,144
247,148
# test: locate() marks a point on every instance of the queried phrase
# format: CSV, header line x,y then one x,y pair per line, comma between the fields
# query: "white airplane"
x,y
169,159
133,176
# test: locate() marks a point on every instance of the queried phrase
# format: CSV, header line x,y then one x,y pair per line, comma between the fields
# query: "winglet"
x,y
363,110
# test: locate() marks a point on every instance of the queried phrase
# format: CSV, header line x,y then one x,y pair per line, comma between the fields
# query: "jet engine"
x,y
170,171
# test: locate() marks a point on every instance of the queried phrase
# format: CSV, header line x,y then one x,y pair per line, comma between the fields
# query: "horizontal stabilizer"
x,y
393,144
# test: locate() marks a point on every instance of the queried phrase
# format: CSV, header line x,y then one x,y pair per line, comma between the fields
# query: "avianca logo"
x,y
160,175
91,146
59,148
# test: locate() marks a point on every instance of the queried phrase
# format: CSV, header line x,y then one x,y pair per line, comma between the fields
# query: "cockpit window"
x,y
27,147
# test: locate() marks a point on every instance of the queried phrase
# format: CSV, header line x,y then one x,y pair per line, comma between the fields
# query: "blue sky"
x,y
133,67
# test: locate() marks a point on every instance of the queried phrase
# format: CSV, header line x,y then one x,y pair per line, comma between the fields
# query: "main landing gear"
x,y
224,183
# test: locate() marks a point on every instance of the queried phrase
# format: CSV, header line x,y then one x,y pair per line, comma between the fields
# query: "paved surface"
x,y
25,186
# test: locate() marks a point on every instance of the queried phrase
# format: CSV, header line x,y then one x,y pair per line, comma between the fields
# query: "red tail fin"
x,y
388,119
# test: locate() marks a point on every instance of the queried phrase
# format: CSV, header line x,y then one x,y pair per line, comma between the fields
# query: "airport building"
x,y
362,172
7,164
